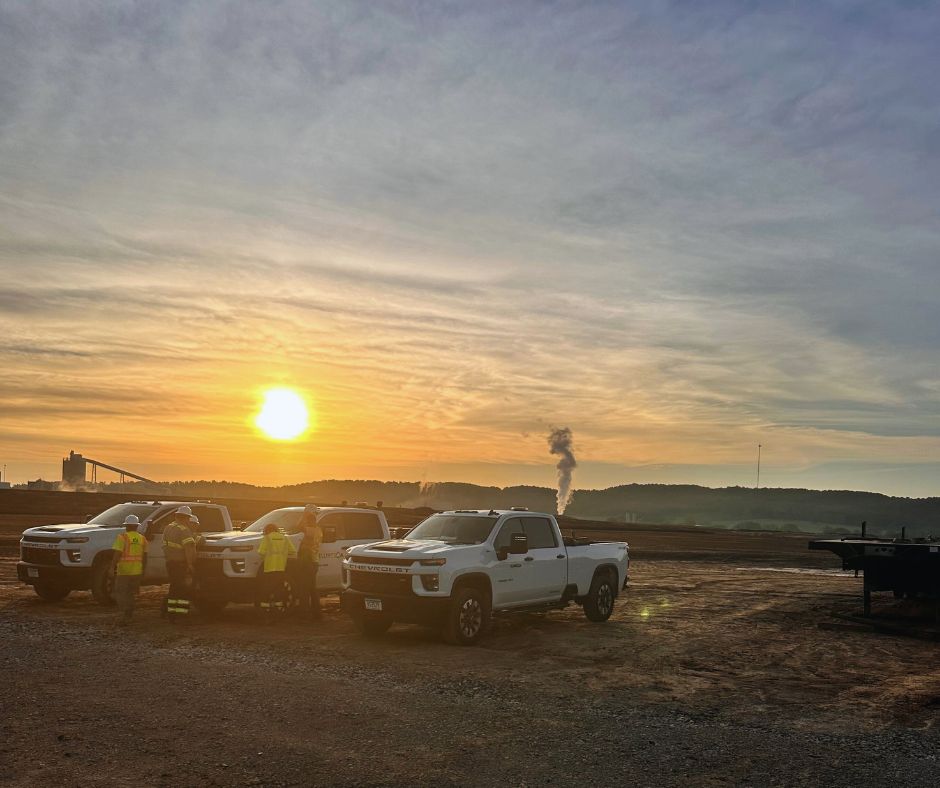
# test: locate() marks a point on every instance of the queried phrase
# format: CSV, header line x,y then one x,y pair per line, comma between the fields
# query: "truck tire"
x,y
467,617
373,626
51,592
102,581
599,603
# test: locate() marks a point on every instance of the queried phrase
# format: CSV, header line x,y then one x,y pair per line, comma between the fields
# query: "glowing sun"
x,y
283,415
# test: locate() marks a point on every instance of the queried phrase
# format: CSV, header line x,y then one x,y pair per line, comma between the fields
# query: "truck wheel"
x,y
467,617
599,603
102,582
51,592
373,626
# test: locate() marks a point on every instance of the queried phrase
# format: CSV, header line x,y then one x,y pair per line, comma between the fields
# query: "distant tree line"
x,y
831,511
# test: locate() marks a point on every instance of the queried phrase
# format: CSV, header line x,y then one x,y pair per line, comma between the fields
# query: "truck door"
x,y
546,561
514,583
349,528
334,532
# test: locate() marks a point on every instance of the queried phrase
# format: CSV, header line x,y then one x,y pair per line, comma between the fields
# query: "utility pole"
x,y
758,466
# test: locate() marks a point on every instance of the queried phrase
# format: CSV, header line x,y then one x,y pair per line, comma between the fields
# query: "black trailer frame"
x,y
908,567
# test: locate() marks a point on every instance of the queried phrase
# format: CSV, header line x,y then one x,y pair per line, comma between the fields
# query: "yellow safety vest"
x,y
275,550
131,547
310,546
175,539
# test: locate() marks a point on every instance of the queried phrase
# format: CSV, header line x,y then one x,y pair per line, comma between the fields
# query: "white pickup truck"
x,y
457,568
227,564
58,559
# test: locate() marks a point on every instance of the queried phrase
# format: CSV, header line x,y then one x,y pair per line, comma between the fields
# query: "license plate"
x,y
30,572
373,604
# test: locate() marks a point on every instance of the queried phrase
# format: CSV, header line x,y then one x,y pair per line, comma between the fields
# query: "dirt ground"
x,y
724,668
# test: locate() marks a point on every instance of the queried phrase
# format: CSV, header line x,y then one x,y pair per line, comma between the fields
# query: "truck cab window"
x,y
158,526
210,519
539,532
504,537
332,527
360,525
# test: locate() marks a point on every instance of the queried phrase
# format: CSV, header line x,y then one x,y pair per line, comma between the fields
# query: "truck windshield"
x,y
113,517
288,520
455,528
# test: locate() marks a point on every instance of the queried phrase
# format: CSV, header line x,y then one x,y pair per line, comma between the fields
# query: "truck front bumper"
x,y
77,578
212,582
407,609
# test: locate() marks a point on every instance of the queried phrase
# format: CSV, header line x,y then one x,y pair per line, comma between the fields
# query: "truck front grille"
x,y
34,555
377,560
376,583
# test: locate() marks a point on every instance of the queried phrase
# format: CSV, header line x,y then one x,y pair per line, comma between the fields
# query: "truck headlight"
x,y
77,539
242,548
432,561
430,582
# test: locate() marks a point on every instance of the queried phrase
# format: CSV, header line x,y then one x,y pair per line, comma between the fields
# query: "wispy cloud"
x,y
679,229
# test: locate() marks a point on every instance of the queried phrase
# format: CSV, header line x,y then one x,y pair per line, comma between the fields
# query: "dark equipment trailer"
x,y
908,567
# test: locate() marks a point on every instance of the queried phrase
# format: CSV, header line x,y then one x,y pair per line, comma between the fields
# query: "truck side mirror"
x,y
519,544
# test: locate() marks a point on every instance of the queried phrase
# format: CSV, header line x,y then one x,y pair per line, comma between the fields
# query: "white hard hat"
x,y
185,510
132,519
193,519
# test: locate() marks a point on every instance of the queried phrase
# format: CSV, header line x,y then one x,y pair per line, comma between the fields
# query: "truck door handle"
x,y
529,558
559,556
514,566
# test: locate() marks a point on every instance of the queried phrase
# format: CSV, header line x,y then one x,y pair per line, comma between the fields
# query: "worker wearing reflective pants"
x,y
130,550
275,549
306,568
179,546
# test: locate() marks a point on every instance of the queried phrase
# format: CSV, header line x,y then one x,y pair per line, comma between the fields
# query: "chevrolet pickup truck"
x,y
455,569
59,559
227,564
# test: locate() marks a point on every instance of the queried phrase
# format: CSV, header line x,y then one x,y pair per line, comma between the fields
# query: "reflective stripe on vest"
x,y
129,546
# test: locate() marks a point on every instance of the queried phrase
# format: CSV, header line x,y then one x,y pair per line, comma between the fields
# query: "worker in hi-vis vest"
x,y
275,549
307,566
179,547
130,552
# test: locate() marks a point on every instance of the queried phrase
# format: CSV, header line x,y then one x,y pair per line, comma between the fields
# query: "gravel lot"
x,y
713,672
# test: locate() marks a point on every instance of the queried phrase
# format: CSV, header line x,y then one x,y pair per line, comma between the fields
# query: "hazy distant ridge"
x,y
732,507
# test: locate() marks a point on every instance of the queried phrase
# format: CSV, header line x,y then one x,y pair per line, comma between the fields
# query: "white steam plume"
x,y
559,442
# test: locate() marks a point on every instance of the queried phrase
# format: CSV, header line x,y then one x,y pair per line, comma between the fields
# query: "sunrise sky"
x,y
679,229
